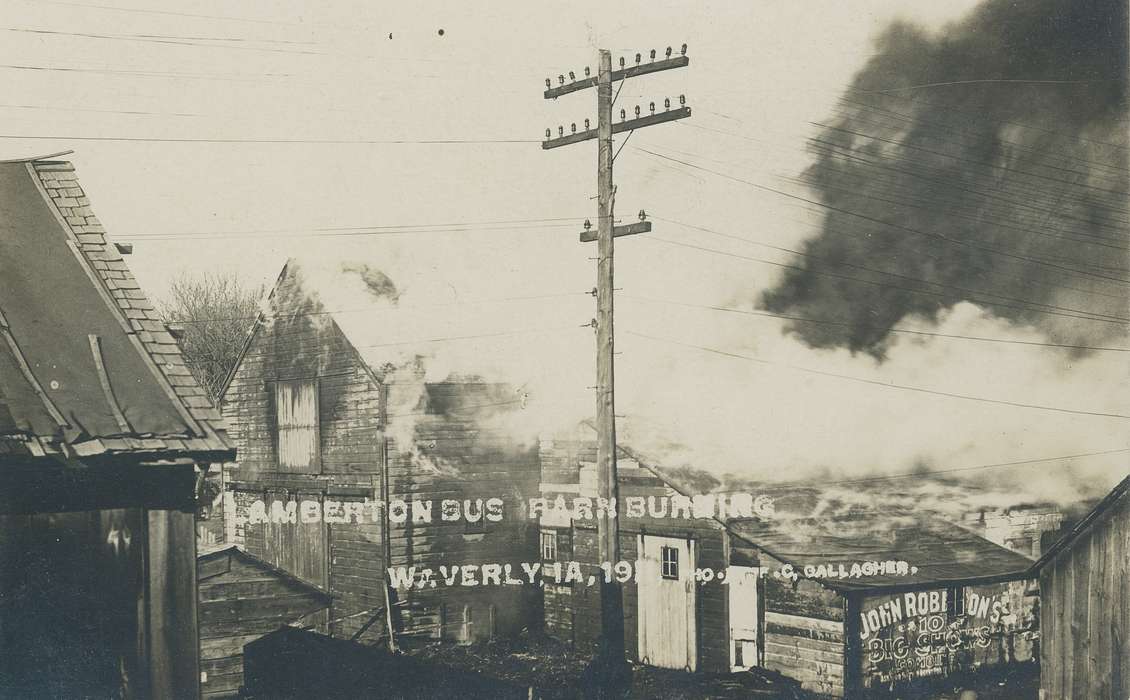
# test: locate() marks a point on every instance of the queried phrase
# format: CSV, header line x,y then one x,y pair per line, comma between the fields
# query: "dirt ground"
x,y
556,672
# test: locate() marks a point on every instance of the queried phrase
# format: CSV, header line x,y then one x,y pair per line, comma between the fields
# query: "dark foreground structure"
x,y
243,598
1085,605
293,663
101,429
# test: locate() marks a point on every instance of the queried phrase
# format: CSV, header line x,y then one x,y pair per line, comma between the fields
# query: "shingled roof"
x,y
943,553
87,366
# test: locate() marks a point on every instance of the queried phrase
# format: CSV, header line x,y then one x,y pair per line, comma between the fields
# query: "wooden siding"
x,y
934,633
447,452
803,632
710,547
456,456
808,649
356,576
557,601
1085,613
240,600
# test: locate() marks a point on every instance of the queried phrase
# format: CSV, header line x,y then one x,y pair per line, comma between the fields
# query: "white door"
x,y
742,582
666,602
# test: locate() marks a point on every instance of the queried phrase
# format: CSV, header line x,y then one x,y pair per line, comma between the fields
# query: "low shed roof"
x,y
944,553
87,366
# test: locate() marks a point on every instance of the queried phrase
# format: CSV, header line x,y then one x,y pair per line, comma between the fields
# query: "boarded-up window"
x,y
296,414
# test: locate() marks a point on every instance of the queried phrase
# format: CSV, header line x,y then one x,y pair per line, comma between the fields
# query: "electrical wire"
x,y
909,278
876,283
363,229
803,319
875,382
352,142
896,226
382,307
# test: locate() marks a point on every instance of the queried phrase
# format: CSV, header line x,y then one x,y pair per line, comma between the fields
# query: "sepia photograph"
x,y
335,362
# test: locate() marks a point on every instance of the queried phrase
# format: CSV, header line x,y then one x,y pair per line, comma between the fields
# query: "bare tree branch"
x,y
216,312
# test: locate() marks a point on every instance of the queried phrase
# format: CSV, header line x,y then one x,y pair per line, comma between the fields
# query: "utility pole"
x,y
610,673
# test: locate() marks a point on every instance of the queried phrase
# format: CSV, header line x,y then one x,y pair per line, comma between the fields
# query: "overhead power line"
x,y
875,382
350,142
175,41
982,163
103,111
231,77
890,224
347,229
166,12
925,473
803,319
953,129
925,292
1024,302
384,307
976,218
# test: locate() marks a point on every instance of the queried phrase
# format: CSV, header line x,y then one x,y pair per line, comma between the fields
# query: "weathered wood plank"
x,y
805,642
1081,678
804,622
803,652
283,608
220,647
174,659
1098,629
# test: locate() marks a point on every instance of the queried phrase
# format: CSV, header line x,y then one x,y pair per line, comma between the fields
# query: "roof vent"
x,y
124,248
176,330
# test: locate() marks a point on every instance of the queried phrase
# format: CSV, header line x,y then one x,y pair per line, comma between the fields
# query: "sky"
x,y
405,137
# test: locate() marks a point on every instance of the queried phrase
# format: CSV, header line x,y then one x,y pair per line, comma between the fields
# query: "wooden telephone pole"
x,y
610,673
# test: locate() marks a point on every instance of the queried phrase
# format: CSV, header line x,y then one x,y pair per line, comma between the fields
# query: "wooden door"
x,y
666,600
299,548
744,637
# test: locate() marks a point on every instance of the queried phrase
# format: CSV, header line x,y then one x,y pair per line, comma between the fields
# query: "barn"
x,y
725,590
102,432
1085,605
349,465
243,598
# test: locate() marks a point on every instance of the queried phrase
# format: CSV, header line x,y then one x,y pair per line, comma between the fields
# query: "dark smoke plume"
x,y
986,163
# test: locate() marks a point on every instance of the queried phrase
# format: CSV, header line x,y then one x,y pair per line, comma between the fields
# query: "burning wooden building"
x,y
351,465
102,428
1085,605
848,603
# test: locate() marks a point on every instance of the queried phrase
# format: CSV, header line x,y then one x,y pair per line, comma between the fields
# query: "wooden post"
x,y
386,536
853,646
611,675
611,652
172,637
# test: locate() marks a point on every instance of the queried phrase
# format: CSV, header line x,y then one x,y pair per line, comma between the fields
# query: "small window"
x,y
669,560
549,545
